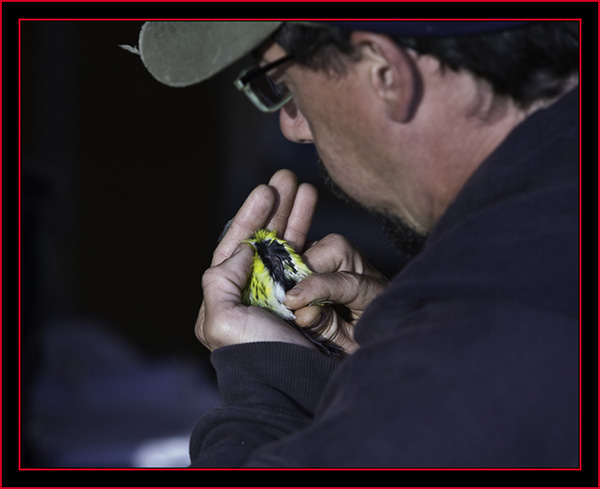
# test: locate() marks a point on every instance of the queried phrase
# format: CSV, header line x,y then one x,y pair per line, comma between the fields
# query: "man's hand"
x,y
282,205
343,277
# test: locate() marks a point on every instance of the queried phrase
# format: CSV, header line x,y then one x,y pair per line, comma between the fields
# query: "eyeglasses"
x,y
261,89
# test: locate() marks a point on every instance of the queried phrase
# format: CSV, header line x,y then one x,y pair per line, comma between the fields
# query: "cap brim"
x,y
180,54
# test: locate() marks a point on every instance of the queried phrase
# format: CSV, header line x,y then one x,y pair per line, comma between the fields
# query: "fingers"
x,y
334,253
309,316
222,284
223,320
349,289
282,205
254,214
285,185
326,322
301,216
295,208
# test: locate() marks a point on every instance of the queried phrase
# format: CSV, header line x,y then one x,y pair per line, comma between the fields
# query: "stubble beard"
x,y
400,235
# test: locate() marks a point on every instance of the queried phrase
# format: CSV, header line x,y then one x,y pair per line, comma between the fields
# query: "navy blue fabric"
x,y
427,28
469,359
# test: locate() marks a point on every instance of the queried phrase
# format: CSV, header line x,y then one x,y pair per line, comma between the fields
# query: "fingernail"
x,y
324,317
316,322
296,291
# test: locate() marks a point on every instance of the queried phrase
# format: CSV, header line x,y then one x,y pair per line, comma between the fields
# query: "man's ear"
x,y
391,73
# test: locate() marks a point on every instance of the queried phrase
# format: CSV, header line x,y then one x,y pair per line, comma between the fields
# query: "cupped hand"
x,y
284,206
344,277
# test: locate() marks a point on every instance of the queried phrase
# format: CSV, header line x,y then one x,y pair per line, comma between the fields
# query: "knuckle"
x,y
199,333
218,256
208,277
348,280
347,255
199,326
337,241
351,285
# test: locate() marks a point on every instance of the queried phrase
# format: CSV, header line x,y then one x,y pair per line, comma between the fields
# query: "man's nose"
x,y
294,125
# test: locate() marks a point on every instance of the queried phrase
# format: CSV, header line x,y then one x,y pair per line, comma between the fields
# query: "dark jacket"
x,y
469,359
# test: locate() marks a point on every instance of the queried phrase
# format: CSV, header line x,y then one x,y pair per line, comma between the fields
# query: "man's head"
x,y
526,61
402,113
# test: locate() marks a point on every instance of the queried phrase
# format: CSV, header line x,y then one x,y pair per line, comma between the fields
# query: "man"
x,y
462,137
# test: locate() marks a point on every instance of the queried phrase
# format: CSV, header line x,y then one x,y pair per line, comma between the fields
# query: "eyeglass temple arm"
x,y
253,73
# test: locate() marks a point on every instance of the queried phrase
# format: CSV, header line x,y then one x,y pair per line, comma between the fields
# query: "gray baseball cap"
x,y
181,53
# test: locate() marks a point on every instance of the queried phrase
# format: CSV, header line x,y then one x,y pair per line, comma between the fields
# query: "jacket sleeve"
x,y
269,390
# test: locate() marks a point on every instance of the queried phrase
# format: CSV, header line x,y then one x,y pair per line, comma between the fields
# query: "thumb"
x,y
346,288
224,282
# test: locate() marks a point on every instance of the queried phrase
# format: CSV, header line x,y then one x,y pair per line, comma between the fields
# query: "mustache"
x,y
406,240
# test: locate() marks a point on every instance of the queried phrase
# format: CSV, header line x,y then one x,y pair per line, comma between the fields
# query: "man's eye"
x,y
279,87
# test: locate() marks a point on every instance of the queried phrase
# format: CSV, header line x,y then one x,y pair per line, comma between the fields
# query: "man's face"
x,y
401,236
334,113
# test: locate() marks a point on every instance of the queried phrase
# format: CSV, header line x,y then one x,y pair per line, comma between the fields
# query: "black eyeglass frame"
x,y
242,83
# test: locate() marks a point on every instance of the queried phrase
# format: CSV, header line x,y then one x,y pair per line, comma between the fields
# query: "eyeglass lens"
x,y
267,90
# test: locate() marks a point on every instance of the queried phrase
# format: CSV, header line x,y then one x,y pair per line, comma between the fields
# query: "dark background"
x,y
125,186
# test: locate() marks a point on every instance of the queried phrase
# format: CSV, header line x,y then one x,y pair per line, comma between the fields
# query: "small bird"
x,y
276,268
